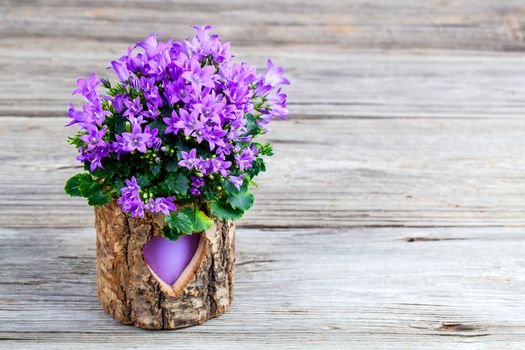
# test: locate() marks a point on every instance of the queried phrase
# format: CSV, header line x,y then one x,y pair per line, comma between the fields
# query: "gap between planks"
x,y
295,289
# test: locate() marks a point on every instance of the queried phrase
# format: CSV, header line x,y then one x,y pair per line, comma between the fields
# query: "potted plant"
x,y
170,153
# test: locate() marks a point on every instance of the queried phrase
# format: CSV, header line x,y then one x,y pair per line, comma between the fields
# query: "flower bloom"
x,y
131,202
178,106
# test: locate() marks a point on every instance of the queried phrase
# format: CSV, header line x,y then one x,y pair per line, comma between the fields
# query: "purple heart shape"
x,y
168,259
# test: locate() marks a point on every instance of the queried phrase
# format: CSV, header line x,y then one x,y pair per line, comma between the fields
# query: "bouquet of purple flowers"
x,y
177,130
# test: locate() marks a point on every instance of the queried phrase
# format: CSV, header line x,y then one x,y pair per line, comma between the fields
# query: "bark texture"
x,y
131,294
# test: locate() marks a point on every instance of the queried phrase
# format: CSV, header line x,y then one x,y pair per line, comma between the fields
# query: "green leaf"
x,y
251,127
182,221
98,198
266,149
119,184
88,187
257,167
155,170
171,233
142,180
73,185
172,166
243,200
177,183
230,189
201,222
225,211
189,220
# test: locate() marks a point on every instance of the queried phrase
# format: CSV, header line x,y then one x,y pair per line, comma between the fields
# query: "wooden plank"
x,y
326,173
295,289
358,24
328,84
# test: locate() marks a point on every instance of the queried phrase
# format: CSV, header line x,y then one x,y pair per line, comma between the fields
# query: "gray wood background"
x,y
392,214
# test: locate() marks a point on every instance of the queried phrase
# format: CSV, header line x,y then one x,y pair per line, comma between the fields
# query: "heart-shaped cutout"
x,y
173,261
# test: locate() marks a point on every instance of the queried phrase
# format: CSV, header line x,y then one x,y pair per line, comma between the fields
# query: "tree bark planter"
x,y
131,292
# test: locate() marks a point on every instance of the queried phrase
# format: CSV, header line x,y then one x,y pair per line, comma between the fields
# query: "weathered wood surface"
x,y
408,115
357,24
296,289
326,173
37,81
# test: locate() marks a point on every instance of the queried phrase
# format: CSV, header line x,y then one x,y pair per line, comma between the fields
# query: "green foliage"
x,y
258,166
242,200
265,150
225,211
84,185
186,221
159,175
251,126
98,198
177,183
155,170
74,184
171,166
230,189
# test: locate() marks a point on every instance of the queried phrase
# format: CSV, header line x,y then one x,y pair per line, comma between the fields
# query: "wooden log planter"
x,y
130,290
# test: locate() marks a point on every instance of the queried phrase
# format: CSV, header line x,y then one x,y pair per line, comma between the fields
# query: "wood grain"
x,y
295,289
328,84
391,216
358,24
328,173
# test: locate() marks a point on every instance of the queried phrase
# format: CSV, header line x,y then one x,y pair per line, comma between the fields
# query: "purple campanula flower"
x,y
134,108
195,191
130,198
197,181
189,159
215,137
189,122
121,69
134,140
97,114
172,123
221,52
154,102
177,91
118,102
237,181
94,156
205,101
165,205
196,184
146,84
133,83
201,166
150,45
219,165
245,159
87,88
131,202
277,104
151,113
210,107
274,76
80,117
199,77
153,141
94,137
